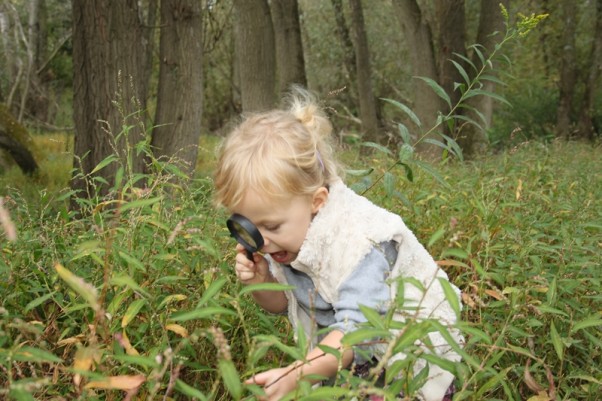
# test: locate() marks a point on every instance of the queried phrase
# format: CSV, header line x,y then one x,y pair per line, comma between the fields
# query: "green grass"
x,y
145,293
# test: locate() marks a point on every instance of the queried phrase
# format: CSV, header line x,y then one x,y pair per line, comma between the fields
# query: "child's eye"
x,y
273,227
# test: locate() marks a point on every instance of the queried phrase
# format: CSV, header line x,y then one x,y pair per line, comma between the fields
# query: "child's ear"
x,y
319,199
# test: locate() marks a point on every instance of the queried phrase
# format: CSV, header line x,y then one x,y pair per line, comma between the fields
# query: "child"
x,y
335,247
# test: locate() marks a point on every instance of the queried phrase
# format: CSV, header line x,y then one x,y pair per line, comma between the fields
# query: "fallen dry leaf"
x,y
123,382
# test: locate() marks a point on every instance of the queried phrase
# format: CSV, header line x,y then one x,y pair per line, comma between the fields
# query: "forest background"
x,y
117,264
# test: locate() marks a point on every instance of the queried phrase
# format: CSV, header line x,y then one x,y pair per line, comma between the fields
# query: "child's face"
x,y
283,223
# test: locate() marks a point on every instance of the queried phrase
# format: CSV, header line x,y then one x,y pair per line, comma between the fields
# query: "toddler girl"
x,y
336,248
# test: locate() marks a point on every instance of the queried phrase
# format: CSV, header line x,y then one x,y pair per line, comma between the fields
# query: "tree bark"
x,y
367,102
255,54
289,47
586,129
180,94
345,39
108,86
426,102
472,140
568,71
449,15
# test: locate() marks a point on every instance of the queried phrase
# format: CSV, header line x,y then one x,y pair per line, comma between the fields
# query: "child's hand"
x,y
250,272
275,382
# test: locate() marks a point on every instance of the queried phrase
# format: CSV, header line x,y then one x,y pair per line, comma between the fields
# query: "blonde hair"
x,y
279,153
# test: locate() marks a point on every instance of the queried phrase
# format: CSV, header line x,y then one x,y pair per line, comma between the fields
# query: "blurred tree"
x,y
419,36
109,64
289,47
586,128
568,70
450,24
255,54
180,94
367,101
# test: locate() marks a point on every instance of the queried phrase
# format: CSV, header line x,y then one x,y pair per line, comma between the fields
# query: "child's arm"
x,y
258,272
281,381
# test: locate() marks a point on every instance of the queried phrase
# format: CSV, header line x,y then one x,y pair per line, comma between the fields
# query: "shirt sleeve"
x,y
365,286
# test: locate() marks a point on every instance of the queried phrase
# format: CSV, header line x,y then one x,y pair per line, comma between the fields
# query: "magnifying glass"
x,y
245,234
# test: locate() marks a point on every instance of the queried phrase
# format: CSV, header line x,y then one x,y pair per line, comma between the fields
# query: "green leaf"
x,y
493,95
466,60
265,287
406,110
378,147
404,133
437,235
462,71
429,169
326,393
557,341
455,252
373,317
451,296
210,292
132,311
140,203
589,322
104,163
130,260
406,152
288,350
31,354
189,391
231,378
123,280
437,88
20,395
364,334
208,312
359,173
38,301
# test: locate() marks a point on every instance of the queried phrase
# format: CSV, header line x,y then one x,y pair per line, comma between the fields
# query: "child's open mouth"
x,y
280,257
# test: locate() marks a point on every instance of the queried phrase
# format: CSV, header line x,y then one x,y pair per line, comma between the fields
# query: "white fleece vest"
x,y
343,232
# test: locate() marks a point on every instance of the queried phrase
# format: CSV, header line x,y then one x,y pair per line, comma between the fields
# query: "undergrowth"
x,y
138,300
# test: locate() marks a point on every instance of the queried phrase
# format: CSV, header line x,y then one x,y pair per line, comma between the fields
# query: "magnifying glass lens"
x,y
244,235
245,232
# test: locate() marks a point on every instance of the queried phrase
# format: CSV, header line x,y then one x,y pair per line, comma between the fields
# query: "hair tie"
x,y
319,157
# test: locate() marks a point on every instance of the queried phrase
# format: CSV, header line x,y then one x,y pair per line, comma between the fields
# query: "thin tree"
x,y
419,37
568,70
108,85
367,101
255,54
289,47
586,127
180,94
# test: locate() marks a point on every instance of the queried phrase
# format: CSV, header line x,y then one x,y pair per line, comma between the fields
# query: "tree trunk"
x,y
449,15
180,95
568,70
426,102
586,128
345,38
255,54
289,47
472,140
108,67
368,113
